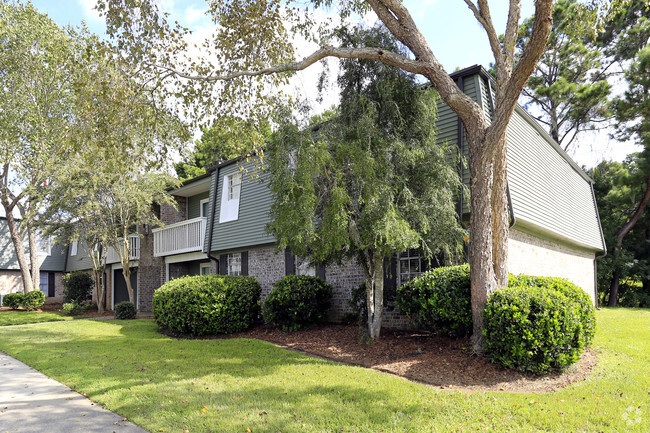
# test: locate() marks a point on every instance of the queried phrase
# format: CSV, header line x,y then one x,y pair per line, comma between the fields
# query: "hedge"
x,y
297,301
207,304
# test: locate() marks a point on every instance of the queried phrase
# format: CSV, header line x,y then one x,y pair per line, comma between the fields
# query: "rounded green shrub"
x,y
33,300
297,301
13,300
586,309
530,328
72,309
125,310
207,304
439,301
77,286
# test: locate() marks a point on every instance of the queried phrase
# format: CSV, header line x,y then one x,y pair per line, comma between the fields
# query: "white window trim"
x,y
205,200
304,267
205,266
408,259
234,259
44,242
229,208
73,248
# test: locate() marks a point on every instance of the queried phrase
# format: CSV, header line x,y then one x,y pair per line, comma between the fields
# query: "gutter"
x,y
214,209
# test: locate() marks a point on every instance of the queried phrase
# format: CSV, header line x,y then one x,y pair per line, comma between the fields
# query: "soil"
x,y
439,361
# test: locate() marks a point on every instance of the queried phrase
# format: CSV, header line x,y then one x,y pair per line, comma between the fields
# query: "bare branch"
x,y
510,39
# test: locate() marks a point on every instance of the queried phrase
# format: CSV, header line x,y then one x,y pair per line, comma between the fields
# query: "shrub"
x,y
33,300
13,300
574,293
531,328
439,301
125,310
297,301
207,304
77,286
72,309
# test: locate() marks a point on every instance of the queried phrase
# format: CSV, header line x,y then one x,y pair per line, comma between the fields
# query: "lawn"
x,y
239,385
20,317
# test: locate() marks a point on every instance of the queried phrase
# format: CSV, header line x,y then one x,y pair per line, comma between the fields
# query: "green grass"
x,y
20,317
234,385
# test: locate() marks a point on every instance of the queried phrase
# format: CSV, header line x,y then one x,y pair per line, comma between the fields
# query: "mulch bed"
x,y
442,362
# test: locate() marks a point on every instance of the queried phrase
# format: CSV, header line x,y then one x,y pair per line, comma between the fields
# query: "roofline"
x,y
226,163
480,70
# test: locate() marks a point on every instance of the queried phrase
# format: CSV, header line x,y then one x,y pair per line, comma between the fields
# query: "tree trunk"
x,y
33,258
99,289
613,288
482,277
500,217
17,240
374,294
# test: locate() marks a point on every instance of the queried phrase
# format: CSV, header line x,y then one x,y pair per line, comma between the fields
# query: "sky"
x,y
453,34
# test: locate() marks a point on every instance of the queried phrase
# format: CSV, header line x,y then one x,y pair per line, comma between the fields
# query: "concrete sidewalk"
x,y
32,402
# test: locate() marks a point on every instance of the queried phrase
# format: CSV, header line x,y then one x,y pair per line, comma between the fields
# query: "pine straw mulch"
x,y
439,361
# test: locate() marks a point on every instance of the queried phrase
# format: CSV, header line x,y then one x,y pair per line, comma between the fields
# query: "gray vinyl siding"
x,y
55,262
254,204
548,193
194,205
81,261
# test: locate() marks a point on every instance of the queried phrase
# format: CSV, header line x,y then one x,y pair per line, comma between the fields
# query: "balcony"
x,y
134,245
183,237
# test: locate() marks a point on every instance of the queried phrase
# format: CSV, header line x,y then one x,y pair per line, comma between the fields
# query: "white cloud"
x,y
90,14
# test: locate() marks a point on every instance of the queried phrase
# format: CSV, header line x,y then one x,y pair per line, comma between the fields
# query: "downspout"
x,y
598,256
510,209
214,209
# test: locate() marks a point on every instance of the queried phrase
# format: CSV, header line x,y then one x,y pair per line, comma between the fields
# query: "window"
x,y
44,283
44,245
411,264
234,186
230,197
304,267
73,248
204,207
205,269
234,264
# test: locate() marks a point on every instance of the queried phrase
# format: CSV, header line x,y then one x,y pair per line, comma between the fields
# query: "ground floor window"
x,y
44,283
234,264
205,269
410,265
304,267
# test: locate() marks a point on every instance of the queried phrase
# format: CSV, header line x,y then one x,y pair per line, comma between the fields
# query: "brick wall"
x,y
169,215
149,272
266,266
528,254
12,281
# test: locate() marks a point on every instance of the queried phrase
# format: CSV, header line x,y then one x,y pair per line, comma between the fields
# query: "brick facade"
x,y
12,282
169,215
266,266
149,272
528,254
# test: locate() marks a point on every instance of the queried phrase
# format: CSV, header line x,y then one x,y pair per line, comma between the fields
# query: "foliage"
x,y
207,304
297,301
13,300
33,300
536,325
569,85
72,308
439,301
369,183
125,310
634,294
358,304
574,293
77,286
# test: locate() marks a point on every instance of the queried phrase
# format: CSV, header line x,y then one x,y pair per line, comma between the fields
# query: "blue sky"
x,y
453,34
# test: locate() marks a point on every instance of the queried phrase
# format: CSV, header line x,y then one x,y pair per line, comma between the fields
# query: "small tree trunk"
x,y
33,258
500,218
375,295
482,277
16,239
99,289
613,288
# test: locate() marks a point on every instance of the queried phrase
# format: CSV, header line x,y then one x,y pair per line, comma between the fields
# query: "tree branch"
x,y
482,15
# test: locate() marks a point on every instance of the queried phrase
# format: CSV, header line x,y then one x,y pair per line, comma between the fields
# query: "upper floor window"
x,y
205,207
230,197
73,248
234,264
44,245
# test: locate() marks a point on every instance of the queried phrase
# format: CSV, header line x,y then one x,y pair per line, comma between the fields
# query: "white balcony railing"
x,y
183,237
134,245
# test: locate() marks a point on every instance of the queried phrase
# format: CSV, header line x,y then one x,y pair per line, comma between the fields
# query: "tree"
x,y
37,60
569,85
250,64
369,183
218,144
